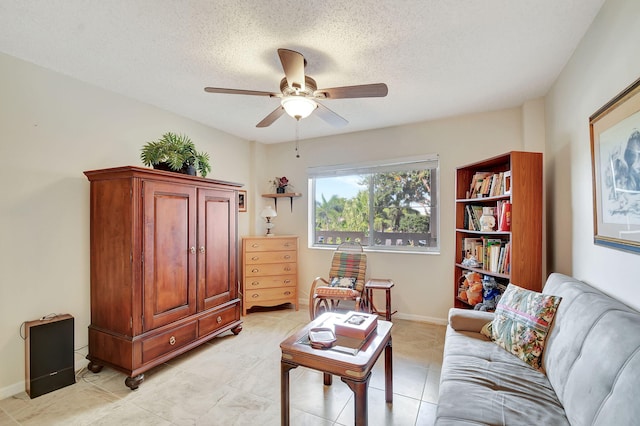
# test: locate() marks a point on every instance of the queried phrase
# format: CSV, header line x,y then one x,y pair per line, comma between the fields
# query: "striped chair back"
x,y
349,265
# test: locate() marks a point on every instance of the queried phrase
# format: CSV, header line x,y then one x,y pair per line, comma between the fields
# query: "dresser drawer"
x,y
271,269
169,341
256,283
270,244
285,294
270,257
218,319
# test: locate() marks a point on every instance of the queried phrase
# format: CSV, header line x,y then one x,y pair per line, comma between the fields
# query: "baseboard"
x,y
304,304
12,390
20,387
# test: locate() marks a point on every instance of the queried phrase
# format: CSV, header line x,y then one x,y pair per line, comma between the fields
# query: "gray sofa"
x,y
591,360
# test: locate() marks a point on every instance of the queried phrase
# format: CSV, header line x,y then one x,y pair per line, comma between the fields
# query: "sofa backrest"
x,y
592,355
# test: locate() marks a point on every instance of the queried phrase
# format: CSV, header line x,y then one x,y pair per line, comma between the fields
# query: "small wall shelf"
x,y
289,195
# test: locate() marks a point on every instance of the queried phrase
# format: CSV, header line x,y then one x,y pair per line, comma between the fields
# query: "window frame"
x,y
422,162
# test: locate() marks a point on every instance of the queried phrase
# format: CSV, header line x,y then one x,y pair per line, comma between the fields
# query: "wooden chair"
x,y
348,266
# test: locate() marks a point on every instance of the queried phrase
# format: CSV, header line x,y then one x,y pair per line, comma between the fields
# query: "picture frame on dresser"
x,y
615,166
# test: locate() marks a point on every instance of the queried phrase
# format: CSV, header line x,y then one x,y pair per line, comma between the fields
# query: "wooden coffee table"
x,y
354,370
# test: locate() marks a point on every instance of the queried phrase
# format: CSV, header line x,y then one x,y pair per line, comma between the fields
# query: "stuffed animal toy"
x,y
490,295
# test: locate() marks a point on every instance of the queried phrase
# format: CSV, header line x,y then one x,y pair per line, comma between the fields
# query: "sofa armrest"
x,y
468,319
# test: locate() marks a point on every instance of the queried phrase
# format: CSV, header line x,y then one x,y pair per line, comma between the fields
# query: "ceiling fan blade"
x,y
293,66
330,117
240,92
273,116
377,90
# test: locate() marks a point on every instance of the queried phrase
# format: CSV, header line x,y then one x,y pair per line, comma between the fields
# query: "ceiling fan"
x,y
299,93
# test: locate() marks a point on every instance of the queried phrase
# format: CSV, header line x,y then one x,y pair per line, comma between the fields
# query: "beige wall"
x,y
424,287
53,128
604,63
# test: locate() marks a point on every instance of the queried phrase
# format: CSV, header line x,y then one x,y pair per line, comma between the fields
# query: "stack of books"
x,y
356,325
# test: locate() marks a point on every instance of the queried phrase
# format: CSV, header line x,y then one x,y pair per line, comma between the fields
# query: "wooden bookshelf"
x,y
524,236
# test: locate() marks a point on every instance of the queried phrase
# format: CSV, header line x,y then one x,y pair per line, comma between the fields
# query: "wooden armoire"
x,y
163,266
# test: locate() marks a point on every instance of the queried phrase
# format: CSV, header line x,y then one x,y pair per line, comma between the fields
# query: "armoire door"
x,y
169,253
216,247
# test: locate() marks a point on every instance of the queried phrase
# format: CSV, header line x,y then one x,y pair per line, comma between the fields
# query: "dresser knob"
x,y
254,245
201,249
287,268
192,250
254,270
172,340
286,256
255,258
255,283
255,296
219,320
287,281
287,293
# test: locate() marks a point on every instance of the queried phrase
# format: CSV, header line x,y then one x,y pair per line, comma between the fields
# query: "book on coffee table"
x,y
357,325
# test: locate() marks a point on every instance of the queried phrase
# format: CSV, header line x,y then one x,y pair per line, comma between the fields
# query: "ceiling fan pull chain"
x,y
297,137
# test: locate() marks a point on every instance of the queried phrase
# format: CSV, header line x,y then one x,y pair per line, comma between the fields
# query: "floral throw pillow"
x,y
343,282
521,323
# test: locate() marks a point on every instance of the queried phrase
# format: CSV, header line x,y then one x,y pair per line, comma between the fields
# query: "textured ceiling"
x,y
439,58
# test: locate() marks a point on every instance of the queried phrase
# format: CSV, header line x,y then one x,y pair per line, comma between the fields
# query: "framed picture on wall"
x,y
615,163
242,200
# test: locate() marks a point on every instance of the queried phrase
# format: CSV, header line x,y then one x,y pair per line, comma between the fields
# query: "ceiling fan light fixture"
x,y
298,107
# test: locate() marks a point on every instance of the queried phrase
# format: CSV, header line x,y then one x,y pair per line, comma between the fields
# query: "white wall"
x,y
53,128
605,62
424,283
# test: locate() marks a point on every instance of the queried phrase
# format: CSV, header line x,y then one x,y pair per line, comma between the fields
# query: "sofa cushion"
x,y
592,356
481,383
521,323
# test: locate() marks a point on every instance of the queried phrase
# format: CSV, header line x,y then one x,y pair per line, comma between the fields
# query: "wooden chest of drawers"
x,y
269,271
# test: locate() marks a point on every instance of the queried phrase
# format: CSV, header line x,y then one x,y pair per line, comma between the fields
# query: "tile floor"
x,y
235,380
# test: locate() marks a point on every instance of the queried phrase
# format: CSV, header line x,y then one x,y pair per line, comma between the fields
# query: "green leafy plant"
x,y
178,152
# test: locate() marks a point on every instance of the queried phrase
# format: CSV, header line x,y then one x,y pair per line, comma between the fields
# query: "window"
x,y
390,205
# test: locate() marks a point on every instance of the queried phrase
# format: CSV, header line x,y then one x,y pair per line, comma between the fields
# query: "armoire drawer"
x,y
256,283
218,319
168,341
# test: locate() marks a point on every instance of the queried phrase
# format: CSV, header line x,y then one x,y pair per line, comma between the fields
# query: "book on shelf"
x,y
356,325
489,184
472,247
476,183
473,214
504,215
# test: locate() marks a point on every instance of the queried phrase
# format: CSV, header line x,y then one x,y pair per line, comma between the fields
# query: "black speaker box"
x,y
49,354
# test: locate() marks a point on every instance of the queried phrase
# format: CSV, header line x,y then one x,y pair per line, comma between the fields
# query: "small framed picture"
x,y
242,200
506,182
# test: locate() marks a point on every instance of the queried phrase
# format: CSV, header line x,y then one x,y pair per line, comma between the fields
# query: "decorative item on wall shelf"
x,y
176,153
280,184
615,161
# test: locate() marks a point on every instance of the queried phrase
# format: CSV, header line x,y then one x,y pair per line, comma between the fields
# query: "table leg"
x,y
360,396
328,379
388,312
388,372
285,367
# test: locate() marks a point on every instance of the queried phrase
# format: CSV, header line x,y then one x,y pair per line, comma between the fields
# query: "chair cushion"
x,y
521,323
339,292
349,264
343,282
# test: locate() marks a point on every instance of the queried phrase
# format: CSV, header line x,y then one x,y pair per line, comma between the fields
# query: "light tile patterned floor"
x,y
235,380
